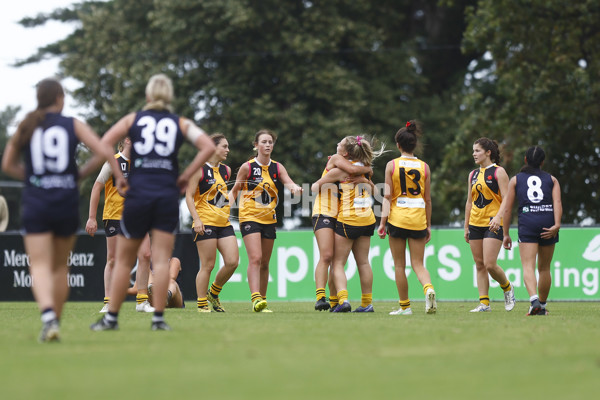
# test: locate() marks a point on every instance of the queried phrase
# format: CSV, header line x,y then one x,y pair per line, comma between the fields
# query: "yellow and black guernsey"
x,y
260,193
485,194
113,201
407,202
211,199
326,202
355,204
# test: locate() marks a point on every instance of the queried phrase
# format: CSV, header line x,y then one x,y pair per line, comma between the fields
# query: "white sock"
x,y
533,298
48,316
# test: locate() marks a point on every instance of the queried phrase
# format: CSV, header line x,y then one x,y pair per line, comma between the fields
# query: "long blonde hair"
x,y
359,148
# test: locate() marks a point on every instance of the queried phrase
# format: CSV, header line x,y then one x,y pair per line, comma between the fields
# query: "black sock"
x,y
158,316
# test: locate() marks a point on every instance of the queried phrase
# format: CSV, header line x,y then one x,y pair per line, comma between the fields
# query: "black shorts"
x,y
112,227
323,221
402,233
483,232
267,231
142,214
354,232
214,232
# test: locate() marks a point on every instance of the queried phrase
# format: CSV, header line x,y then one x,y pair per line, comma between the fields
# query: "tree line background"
x,y
517,71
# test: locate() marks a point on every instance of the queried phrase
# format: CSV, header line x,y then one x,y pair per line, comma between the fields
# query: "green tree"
x,y
9,188
313,72
7,118
535,84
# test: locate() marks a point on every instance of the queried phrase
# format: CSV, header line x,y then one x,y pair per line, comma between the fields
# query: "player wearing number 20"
x,y
540,210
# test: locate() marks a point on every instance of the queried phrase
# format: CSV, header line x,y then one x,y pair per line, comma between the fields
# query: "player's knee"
x,y
327,258
231,263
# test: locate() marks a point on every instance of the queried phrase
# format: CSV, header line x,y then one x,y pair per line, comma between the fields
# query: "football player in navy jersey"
x,y
540,211
152,192
48,140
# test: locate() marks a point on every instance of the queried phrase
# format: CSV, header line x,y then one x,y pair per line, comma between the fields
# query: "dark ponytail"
x,y
406,137
534,157
48,92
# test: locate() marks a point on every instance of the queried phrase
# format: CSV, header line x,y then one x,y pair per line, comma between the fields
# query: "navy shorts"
x,y
323,221
214,232
267,231
354,232
402,233
58,217
528,234
483,232
112,227
141,214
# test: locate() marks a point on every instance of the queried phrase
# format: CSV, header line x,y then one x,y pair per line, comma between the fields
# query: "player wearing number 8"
x,y
50,217
152,201
406,208
540,211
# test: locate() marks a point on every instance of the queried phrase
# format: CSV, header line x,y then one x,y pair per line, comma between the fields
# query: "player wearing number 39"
x,y
152,201
48,141
540,211
406,208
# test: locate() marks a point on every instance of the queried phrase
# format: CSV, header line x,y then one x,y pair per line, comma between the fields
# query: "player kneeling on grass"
x,y
174,295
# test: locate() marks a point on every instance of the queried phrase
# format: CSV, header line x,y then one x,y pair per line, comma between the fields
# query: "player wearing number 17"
x,y
406,208
540,211
152,201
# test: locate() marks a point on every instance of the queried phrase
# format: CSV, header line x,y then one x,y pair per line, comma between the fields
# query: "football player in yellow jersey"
x,y
111,216
258,181
207,199
325,211
355,224
406,208
486,188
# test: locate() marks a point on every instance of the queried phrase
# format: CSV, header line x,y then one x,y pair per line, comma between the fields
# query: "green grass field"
x,y
298,353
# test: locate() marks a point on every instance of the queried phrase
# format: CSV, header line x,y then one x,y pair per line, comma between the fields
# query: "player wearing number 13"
x,y
48,141
407,210
152,201
540,211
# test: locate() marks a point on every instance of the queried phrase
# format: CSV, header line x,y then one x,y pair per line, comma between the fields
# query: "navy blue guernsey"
x,y
156,138
50,168
534,193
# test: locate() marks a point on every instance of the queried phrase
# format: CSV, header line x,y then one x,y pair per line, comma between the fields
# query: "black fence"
x,y
87,261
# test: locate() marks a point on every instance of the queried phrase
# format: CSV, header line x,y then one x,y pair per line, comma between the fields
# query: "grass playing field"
x,y
298,353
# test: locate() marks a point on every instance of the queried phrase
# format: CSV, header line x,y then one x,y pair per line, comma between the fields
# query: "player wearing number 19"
x,y
152,201
48,141
540,211
406,208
